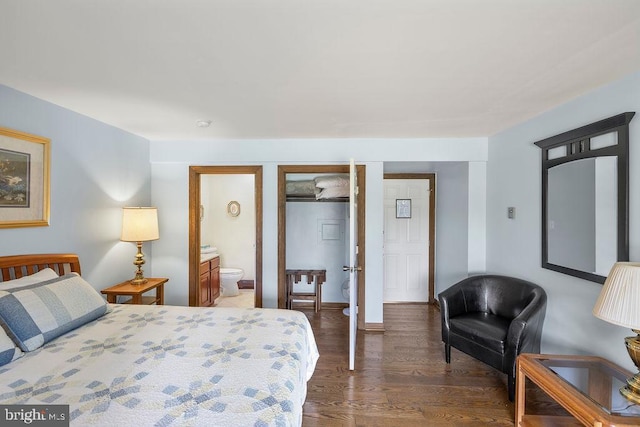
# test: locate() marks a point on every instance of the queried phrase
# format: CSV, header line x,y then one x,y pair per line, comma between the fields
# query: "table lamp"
x,y
139,225
619,303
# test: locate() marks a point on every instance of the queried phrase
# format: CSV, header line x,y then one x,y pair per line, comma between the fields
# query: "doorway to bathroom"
x,y
225,215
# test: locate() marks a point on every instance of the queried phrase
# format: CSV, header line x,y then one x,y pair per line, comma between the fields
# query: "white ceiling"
x,y
315,68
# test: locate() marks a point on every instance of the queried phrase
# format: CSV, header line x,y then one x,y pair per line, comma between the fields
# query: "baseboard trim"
x,y
374,327
408,302
334,305
323,306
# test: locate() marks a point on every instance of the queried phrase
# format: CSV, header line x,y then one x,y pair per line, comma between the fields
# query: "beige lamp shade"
x,y
139,224
619,300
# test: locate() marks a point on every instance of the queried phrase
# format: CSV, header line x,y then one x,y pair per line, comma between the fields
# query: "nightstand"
x,y
586,386
136,291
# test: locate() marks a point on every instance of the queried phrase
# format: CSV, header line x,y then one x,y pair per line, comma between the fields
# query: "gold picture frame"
x,y
24,179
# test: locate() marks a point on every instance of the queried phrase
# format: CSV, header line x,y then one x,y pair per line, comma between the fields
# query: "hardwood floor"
x,y
401,378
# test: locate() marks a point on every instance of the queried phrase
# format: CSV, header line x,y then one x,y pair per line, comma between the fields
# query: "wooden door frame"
x,y
283,170
432,222
195,173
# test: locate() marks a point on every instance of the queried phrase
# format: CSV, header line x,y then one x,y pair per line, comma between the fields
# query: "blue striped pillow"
x,y
38,277
8,349
35,314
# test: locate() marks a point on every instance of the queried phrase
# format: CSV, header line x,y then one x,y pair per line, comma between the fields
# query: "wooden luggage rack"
x,y
317,277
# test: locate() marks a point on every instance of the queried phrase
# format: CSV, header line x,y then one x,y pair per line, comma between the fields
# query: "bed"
x,y
139,365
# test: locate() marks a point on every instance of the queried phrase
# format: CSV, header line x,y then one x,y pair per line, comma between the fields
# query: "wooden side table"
x,y
136,292
586,386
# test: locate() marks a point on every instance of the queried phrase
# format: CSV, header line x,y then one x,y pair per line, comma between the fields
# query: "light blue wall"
x,y
95,170
513,246
452,218
170,164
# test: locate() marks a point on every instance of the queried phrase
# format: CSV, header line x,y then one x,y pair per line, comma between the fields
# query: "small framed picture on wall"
x,y
403,208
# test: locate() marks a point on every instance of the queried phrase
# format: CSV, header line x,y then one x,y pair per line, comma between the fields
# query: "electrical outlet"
x,y
511,213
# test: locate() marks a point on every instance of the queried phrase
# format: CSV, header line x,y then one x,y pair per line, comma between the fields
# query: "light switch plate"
x,y
511,213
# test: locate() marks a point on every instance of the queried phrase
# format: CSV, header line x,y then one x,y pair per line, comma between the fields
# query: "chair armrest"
x,y
454,302
525,331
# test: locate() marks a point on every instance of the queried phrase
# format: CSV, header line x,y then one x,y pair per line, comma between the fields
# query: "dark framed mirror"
x,y
585,198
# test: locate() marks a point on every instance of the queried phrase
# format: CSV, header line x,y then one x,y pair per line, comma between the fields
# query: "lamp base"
x,y
632,390
137,281
139,262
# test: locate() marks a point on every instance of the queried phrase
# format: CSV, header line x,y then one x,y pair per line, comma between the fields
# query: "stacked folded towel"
x,y
208,249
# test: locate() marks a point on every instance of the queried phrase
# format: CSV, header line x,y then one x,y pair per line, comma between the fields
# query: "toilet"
x,y
229,281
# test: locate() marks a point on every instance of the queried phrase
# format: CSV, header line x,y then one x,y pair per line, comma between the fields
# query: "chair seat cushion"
x,y
485,329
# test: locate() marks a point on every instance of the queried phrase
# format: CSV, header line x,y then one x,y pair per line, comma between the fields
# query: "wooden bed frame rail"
x,y
17,266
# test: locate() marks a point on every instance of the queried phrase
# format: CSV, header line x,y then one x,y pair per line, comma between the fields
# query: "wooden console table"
x,y
317,277
586,386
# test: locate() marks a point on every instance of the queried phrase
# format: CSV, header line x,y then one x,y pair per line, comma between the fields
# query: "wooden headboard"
x,y
17,266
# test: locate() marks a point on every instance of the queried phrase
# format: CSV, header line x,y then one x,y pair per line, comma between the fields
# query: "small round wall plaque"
x,y
233,208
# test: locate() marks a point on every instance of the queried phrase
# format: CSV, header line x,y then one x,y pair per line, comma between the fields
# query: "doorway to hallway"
x,y
409,238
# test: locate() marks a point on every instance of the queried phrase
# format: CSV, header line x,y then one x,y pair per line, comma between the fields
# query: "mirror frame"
x,y
578,147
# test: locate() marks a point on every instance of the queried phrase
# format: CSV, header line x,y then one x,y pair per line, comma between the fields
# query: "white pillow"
x,y
333,192
328,181
40,276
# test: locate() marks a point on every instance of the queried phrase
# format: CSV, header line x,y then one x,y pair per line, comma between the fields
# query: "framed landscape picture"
x,y
24,179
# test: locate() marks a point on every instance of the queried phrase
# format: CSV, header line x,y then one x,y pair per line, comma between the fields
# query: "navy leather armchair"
x,y
493,319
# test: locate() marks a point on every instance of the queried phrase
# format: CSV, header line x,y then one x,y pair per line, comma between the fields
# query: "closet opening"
x,y
244,208
313,230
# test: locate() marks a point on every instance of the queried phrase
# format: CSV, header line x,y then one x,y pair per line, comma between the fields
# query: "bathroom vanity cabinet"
x,y
209,281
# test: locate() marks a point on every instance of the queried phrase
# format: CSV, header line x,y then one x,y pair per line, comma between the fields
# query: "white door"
x,y
406,240
353,263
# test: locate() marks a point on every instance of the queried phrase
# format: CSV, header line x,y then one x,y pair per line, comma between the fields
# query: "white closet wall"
x,y
317,238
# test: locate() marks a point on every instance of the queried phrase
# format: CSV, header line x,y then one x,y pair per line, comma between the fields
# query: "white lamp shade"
x,y
619,300
139,224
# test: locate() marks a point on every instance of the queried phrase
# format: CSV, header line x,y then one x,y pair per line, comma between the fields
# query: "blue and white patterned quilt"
x,y
163,365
